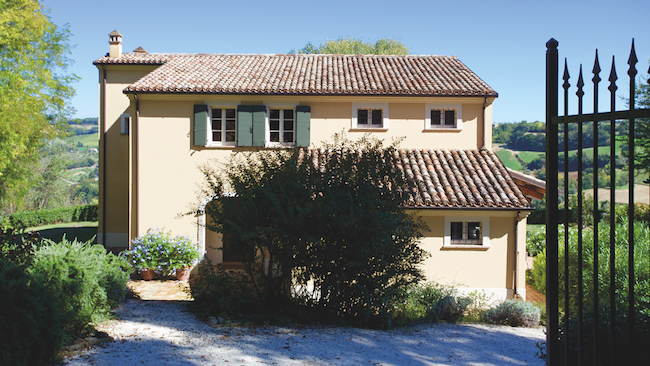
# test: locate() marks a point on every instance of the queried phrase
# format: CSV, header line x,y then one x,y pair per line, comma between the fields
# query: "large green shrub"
x,y
82,280
513,313
30,329
55,215
331,218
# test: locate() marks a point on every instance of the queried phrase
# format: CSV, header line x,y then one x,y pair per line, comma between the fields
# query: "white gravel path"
x,y
163,333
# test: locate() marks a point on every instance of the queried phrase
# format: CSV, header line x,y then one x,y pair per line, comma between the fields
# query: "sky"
x,y
503,42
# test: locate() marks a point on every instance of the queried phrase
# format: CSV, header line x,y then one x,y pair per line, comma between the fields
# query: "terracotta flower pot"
x,y
148,274
183,274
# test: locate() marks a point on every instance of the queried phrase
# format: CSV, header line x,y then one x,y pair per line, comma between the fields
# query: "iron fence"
x,y
594,312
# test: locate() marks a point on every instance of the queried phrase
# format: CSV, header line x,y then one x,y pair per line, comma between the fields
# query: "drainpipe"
x,y
102,129
515,293
137,159
485,104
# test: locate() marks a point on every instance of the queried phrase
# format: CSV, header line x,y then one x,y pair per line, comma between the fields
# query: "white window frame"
x,y
457,107
370,106
125,123
270,143
485,232
211,142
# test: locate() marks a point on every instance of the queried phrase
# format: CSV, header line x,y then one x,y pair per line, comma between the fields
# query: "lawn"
x,y
528,156
82,231
508,159
89,140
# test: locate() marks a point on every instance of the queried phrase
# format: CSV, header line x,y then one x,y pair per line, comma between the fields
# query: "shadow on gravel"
x,y
164,333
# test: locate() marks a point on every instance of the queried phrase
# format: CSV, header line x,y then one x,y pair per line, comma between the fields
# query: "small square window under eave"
x,y
369,116
441,117
465,232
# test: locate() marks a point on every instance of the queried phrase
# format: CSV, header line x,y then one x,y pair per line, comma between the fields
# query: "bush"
x,y
221,293
536,243
55,215
82,280
16,245
30,328
537,275
329,220
450,308
514,313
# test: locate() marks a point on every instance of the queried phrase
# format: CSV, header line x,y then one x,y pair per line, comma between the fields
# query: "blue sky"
x,y
501,41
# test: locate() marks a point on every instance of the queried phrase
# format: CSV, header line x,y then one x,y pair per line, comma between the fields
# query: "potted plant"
x,y
158,252
142,257
183,254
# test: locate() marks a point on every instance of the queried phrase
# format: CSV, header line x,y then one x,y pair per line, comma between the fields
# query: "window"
x,y
125,122
251,125
447,116
443,118
370,116
224,126
281,127
467,232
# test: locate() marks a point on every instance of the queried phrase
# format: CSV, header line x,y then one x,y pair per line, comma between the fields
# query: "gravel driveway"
x,y
163,333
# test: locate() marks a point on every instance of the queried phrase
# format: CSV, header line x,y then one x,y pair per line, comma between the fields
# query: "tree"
x,y
337,224
641,132
33,91
351,46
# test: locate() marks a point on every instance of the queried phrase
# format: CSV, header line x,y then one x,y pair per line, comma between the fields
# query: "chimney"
x,y
115,40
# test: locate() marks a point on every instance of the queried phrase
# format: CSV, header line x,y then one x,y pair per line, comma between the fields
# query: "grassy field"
x,y
82,231
528,156
508,159
89,140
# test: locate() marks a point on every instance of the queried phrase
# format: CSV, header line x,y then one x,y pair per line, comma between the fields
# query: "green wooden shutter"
x,y
244,125
259,125
303,121
200,124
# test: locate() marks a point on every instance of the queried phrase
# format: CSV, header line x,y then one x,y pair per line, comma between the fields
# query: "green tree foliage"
x,y
641,132
351,46
338,224
33,92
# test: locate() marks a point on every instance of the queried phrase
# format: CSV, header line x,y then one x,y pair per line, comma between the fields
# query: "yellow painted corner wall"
x,y
114,176
492,268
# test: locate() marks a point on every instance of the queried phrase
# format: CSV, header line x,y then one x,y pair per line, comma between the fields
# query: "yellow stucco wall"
x,y
469,267
114,154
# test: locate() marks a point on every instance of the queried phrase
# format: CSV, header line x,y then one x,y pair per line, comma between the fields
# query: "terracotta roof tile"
x,y
450,179
304,74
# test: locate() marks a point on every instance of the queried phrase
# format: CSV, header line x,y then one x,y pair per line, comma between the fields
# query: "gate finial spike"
x,y
612,78
566,76
580,84
596,70
632,61
552,43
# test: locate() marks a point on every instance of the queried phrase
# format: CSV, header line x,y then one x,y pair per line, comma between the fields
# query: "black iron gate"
x,y
593,311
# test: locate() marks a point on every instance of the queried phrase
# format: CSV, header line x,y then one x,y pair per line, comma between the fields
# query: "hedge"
x,y
55,215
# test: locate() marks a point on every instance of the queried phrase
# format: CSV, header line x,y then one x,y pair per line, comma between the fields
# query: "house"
x,y
162,115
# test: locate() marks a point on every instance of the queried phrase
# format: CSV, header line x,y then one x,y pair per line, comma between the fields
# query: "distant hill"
x,y
83,126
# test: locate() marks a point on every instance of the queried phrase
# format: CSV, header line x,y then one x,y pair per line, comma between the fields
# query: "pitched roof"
x,y
459,179
456,179
304,74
